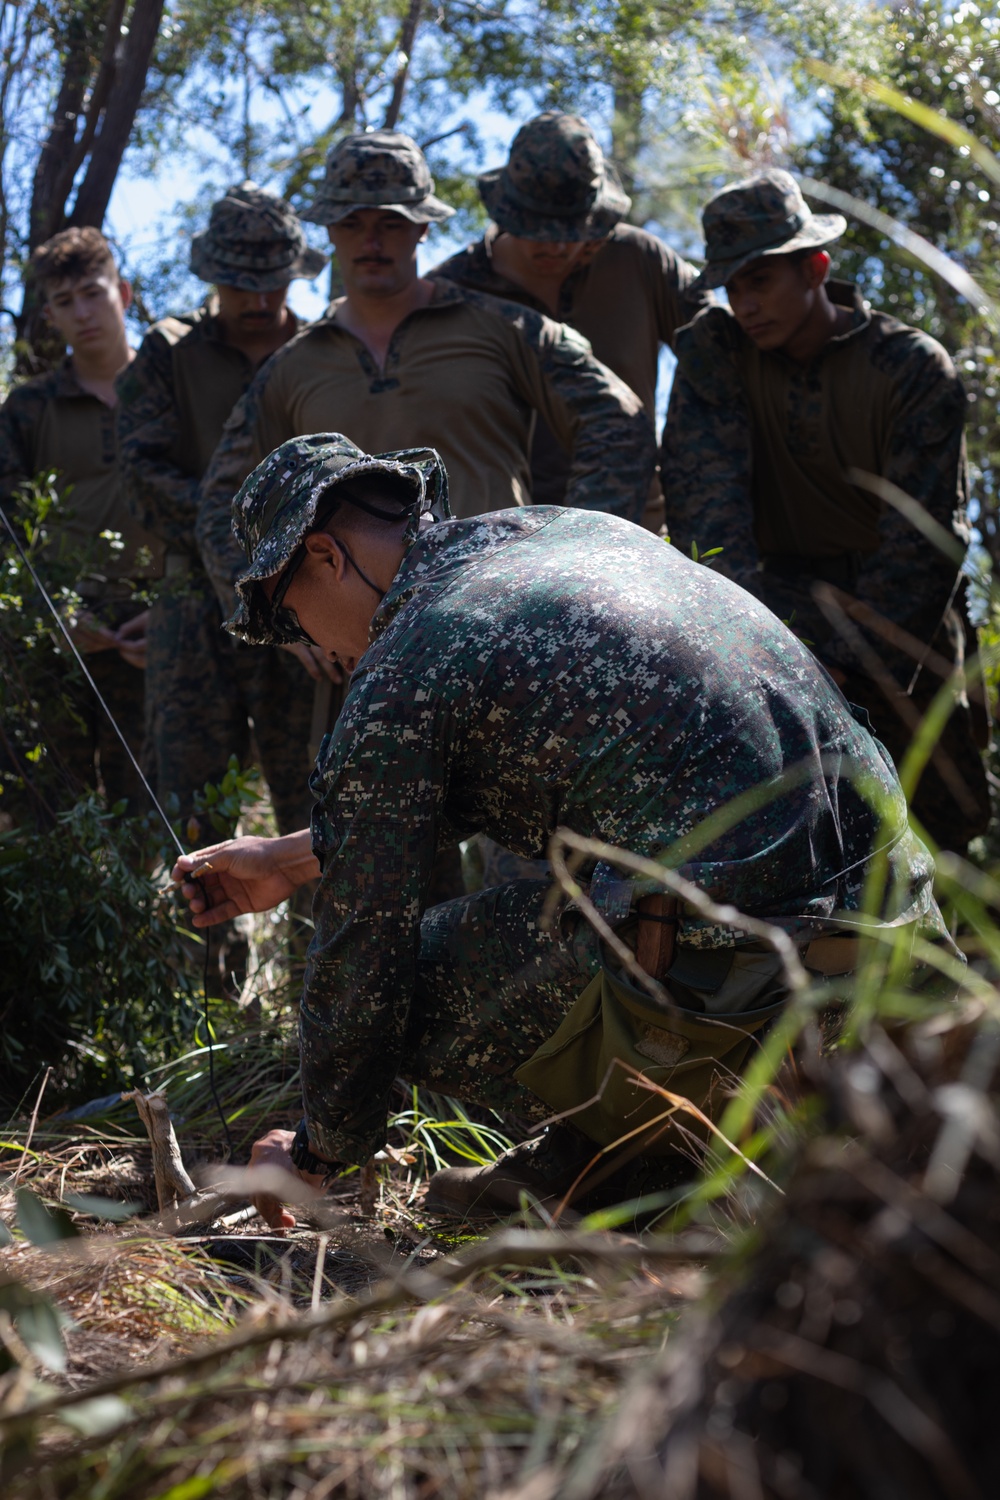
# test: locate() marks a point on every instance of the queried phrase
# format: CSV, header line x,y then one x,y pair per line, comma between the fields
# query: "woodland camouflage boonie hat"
x,y
382,169
557,184
767,215
278,504
254,242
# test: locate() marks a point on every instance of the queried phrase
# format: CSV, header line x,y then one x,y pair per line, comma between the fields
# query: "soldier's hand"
x,y
248,874
90,635
273,1150
132,640
315,663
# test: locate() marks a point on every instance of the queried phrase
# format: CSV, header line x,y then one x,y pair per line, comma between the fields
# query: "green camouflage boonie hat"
x,y
382,169
767,215
254,242
277,505
557,184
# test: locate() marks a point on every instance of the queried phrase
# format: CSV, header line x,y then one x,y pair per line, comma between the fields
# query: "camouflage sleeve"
x,y
381,787
236,456
907,580
600,422
160,496
19,415
674,302
706,456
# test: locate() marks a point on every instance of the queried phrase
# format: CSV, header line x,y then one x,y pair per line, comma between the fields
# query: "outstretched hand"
x,y
248,874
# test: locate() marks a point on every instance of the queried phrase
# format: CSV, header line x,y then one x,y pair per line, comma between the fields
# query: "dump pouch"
x,y
683,1050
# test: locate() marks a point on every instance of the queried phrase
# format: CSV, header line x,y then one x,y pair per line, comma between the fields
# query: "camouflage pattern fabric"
x,y
202,689
208,691
556,184
754,460
253,241
380,169
461,376
545,666
86,743
767,215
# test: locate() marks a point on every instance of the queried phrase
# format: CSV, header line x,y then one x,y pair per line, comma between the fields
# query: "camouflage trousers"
x,y
492,986
206,692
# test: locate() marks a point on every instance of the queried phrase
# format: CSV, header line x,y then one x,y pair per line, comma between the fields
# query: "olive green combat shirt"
x,y
50,423
174,399
756,458
463,375
631,298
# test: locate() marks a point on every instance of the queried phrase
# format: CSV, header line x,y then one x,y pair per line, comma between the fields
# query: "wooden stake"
x,y
173,1185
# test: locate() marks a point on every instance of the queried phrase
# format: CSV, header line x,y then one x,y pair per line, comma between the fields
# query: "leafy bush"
x,y
91,963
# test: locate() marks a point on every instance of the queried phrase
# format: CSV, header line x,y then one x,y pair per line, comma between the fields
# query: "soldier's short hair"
x,y
70,255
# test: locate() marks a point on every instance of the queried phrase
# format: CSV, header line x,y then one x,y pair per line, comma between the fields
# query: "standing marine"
x,y
405,361
558,243
510,673
788,411
205,689
63,423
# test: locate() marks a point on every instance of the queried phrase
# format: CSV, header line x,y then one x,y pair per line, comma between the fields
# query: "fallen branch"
x,y
173,1185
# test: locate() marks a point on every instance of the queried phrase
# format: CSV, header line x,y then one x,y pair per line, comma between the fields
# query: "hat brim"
x,y
429,210
208,267
821,230
253,619
609,208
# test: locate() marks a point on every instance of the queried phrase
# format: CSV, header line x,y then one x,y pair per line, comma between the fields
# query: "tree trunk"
x,y
130,79
407,36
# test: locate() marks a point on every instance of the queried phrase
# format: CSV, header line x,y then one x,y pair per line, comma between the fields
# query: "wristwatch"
x,y
306,1160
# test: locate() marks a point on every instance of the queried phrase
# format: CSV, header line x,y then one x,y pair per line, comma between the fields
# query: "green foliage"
x,y
92,967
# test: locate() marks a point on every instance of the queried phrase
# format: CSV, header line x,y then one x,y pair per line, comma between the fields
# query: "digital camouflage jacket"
x,y
463,375
544,667
755,460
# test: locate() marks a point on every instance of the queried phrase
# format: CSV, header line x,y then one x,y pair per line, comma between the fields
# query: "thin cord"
x,y
152,797
86,672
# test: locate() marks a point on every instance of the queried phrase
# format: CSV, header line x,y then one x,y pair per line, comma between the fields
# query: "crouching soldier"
x,y
512,672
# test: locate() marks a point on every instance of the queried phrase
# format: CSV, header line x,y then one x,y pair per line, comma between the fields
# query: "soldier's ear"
x,y
816,268
125,292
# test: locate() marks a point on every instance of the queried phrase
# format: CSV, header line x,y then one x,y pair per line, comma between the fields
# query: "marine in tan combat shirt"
x,y
63,422
558,244
405,361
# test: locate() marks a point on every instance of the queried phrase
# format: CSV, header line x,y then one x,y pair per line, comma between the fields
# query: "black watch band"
x,y
306,1160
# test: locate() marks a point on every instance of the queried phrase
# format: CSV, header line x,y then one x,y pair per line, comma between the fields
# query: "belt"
x,y
833,954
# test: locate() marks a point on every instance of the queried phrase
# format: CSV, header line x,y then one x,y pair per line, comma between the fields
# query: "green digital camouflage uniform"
x,y
204,689
527,669
627,302
51,424
465,374
756,458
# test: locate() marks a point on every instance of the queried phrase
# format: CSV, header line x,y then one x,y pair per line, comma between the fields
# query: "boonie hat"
x,y
381,169
766,215
557,184
278,504
253,241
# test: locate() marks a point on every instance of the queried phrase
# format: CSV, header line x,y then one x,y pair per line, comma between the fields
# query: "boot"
x,y
543,1169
